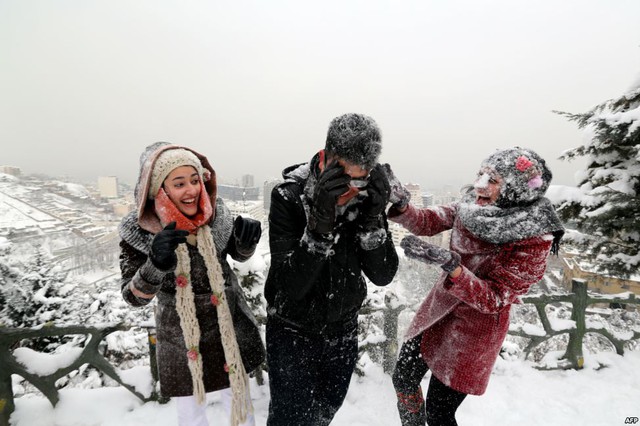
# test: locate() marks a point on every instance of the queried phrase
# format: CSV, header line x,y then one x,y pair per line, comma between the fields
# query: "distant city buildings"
x,y
122,209
446,195
253,209
108,186
238,193
115,200
244,192
416,194
31,208
118,197
243,200
419,200
247,181
10,170
573,268
267,189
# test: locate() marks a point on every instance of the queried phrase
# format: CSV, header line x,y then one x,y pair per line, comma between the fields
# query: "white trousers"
x,y
190,413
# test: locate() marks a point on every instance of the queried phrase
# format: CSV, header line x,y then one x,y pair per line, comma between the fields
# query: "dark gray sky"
x,y
85,85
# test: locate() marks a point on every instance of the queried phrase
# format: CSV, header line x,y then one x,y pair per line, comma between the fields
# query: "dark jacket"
x,y
313,286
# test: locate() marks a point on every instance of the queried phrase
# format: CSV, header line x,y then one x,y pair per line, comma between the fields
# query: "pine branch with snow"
x,y
608,211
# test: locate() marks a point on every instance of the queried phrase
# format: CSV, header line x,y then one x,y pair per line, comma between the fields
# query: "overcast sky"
x,y
85,85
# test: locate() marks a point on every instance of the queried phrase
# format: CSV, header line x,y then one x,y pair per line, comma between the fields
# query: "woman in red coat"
x,y
502,231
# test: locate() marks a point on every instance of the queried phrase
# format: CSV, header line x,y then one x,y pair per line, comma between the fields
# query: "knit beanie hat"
x,y
168,161
525,174
355,138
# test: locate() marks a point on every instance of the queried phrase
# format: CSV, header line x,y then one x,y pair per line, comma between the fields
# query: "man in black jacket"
x,y
327,226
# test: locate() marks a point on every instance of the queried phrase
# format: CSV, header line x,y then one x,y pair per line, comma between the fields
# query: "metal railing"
x,y
391,310
45,383
573,358
580,299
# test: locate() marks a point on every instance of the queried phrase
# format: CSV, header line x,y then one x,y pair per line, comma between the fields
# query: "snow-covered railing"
x,y
576,327
387,342
43,370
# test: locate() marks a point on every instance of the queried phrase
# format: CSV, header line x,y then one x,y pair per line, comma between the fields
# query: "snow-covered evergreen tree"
x,y
251,277
607,215
31,290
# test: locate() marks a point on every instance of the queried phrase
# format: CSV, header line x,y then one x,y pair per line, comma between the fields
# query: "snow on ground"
x,y
517,395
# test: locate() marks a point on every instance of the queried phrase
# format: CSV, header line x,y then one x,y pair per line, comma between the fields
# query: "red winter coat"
x,y
466,319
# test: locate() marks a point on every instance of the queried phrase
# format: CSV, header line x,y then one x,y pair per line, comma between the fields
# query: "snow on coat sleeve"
x,y
380,264
515,268
291,260
299,261
428,221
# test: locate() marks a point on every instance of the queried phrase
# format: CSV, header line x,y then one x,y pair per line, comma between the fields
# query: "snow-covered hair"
x,y
525,174
355,138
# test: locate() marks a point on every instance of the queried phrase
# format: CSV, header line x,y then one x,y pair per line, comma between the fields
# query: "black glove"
x,y
378,191
332,183
415,248
164,244
246,232
400,196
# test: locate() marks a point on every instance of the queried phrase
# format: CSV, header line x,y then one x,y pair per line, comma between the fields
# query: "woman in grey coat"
x,y
173,249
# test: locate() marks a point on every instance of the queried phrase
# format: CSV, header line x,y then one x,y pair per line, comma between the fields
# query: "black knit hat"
x,y
355,138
